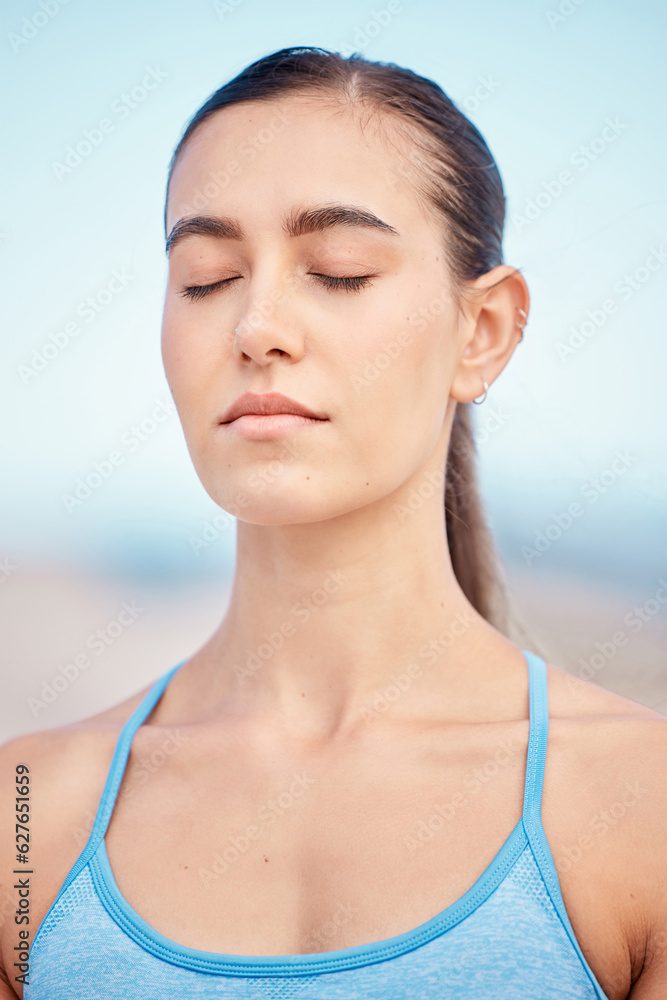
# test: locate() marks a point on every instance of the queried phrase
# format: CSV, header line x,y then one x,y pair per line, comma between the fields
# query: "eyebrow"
x,y
298,223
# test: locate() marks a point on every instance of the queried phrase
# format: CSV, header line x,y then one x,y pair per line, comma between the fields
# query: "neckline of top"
x,y
303,964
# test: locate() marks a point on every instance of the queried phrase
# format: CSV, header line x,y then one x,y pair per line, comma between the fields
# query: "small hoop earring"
x,y
480,399
525,323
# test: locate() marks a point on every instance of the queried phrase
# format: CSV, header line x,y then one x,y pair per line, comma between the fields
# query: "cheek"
x,y
398,402
171,347
405,361
191,355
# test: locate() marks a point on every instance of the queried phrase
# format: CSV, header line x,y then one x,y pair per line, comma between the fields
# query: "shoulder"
x,y
607,757
61,761
605,740
59,775
571,695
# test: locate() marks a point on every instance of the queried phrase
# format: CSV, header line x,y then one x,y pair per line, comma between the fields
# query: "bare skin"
x,y
344,843
327,510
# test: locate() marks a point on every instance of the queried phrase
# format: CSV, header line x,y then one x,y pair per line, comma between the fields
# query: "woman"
x,y
340,793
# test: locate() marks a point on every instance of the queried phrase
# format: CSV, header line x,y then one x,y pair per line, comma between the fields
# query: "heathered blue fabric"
x,y
508,936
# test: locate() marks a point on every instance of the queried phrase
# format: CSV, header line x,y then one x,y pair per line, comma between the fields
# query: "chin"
x,y
292,501
262,500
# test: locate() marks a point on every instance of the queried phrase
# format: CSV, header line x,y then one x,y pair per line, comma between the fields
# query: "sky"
x,y
570,99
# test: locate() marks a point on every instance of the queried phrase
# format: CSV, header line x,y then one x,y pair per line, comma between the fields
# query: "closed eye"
x,y
195,292
349,284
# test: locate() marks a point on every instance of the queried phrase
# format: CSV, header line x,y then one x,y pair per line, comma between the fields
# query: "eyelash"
x,y
196,292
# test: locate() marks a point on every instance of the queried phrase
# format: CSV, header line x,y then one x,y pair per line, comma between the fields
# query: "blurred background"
x,y
569,95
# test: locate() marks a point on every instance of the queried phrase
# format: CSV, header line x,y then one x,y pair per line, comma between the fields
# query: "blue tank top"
x,y
509,935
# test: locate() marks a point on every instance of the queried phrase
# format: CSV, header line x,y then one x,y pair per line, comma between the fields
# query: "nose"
x,y
265,330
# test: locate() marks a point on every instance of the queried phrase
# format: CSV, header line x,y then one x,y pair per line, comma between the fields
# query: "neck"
x,y
327,619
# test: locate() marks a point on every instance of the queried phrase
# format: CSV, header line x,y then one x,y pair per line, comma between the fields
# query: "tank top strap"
x,y
537,741
117,766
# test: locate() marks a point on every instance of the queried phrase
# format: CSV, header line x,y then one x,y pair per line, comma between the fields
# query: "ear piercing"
x,y
525,322
480,399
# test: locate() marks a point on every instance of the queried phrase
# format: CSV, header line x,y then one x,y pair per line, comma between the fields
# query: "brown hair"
x,y
453,171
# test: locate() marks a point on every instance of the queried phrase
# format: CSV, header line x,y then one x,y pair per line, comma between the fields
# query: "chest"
x,y
228,849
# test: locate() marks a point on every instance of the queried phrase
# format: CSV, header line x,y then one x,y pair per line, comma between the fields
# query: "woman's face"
x,y
377,361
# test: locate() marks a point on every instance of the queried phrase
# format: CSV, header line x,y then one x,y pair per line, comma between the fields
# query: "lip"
x,y
268,426
267,404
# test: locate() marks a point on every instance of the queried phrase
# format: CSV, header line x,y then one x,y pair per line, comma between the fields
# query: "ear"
x,y
490,329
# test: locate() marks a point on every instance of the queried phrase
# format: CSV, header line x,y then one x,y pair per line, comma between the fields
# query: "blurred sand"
x,y
565,619
49,612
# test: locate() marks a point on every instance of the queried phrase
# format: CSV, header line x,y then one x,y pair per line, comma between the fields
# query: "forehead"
x,y
256,157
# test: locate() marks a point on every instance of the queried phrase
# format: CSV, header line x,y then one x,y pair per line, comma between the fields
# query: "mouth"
x,y
270,425
269,415
261,404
